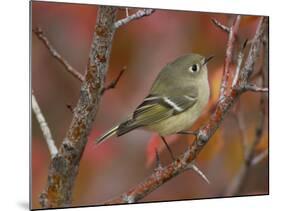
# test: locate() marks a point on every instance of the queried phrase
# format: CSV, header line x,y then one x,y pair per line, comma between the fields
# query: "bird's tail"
x,y
108,134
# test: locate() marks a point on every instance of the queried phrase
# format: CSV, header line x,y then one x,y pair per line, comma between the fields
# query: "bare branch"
x,y
137,15
228,55
113,83
237,181
256,44
44,127
65,165
200,173
39,33
254,88
221,26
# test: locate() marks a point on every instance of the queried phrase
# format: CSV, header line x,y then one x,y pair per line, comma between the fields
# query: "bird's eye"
x,y
194,68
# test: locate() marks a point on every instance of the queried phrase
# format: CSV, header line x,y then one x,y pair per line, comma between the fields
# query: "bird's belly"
x,y
176,123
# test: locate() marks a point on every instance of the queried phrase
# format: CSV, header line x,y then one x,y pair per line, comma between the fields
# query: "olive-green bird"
x,y
175,101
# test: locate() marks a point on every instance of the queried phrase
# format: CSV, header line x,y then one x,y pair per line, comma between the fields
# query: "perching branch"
x,y
44,127
39,33
225,102
64,166
139,14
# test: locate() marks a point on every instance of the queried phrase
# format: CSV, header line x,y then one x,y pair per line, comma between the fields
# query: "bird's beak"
x,y
208,59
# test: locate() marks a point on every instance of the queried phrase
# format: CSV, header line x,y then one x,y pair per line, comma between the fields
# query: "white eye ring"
x,y
194,68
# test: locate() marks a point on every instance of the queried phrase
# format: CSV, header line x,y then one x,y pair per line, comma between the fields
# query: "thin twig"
x,y
113,83
228,55
44,127
255,88
39,33
220,25
139,14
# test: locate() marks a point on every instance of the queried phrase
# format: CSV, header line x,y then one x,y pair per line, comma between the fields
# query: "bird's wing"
x,y
156,108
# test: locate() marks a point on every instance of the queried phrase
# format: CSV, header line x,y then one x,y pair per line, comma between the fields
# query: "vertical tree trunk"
x,y
65,165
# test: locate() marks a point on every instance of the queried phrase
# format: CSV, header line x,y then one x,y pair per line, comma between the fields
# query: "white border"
x,y
14,127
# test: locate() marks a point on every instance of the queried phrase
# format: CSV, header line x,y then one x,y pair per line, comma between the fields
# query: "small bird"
x,y
175,101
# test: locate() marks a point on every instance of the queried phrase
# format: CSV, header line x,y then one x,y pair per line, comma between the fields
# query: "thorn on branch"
x,y
139,14
199,172
39,33
221,26
255,88
245,44
158,162
113,83
127,11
